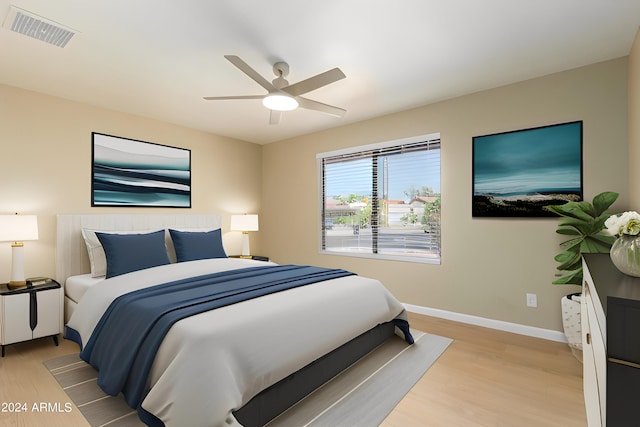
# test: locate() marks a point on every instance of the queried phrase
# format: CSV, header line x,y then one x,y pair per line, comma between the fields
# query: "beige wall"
x,y
46,168
634,124
488,265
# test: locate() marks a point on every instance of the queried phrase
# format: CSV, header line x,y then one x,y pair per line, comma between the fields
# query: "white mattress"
x,y
76,286
214,362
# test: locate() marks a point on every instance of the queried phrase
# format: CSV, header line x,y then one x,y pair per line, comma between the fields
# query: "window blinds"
x,y
369,192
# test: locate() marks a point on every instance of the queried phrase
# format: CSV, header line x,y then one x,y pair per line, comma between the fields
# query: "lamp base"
x,y
16,285
245,245
17,266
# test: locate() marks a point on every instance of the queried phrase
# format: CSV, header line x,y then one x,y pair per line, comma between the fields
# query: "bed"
x,y
238,364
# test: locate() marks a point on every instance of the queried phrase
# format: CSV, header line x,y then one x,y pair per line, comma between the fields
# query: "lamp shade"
x,y
244,222
18,228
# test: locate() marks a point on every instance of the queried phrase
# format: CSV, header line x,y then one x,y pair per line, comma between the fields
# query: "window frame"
x,y
359,149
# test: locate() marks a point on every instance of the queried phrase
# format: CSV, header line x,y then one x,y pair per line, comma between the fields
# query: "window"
x,y
382,200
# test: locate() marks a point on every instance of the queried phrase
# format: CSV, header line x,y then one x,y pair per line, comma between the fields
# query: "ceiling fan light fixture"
x,y
279,102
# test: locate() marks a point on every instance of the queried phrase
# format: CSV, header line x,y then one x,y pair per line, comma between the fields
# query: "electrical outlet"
x,y
532,300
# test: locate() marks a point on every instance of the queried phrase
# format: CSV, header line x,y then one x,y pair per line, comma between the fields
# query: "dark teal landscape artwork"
x,y
128,172
517,173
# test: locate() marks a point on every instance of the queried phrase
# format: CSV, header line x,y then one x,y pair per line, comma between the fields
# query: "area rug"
x,y
364,394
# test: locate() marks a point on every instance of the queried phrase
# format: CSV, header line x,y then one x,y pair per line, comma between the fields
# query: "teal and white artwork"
x,y
128,172
518,173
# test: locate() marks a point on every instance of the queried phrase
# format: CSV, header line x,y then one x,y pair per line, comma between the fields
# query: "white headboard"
x,y
71,251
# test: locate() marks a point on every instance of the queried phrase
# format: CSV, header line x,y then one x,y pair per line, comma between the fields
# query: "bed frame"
x,y
276,399
72,259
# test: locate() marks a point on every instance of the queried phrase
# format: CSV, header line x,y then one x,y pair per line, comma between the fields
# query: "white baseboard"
x,y
515,328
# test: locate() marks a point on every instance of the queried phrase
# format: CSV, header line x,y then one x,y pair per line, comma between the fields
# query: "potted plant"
x,y
584,223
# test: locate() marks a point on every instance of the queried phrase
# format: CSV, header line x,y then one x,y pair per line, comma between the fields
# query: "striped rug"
x,y
362,395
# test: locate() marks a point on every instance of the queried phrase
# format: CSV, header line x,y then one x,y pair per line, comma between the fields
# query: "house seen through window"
x,y
382,200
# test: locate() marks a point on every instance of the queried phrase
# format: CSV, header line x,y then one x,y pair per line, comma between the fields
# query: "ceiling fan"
x,y
283,96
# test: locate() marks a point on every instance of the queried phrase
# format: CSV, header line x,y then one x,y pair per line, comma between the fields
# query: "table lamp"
x,y
244,223
16,229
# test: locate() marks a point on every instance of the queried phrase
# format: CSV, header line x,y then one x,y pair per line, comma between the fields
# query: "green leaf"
x,y
568,231
568,260
571,278
590,246
584,227
599,223
564,256
574,210
583,210
603,201
568,244
604,239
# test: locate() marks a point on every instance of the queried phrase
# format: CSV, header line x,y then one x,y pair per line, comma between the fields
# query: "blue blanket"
x,y
123,345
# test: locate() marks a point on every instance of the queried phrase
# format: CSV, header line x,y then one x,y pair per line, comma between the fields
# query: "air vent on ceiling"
x,y
39,28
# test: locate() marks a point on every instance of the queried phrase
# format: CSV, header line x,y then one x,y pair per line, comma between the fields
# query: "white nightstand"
x,y
29,313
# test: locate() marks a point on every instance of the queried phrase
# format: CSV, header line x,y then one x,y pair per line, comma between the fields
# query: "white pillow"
x,y
97,258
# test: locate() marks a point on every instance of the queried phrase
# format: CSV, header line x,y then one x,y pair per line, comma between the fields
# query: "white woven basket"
x,y
571,323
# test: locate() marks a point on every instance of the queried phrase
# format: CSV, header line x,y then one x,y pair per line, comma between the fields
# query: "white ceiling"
x,y
158,58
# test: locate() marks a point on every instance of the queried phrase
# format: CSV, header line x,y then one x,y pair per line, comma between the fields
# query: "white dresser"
x,y
610,317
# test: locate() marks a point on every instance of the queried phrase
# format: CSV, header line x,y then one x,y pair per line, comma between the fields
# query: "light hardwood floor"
x,y
493,378
485,378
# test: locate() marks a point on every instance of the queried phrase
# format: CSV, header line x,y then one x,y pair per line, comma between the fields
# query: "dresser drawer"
x,y
623,389
623,323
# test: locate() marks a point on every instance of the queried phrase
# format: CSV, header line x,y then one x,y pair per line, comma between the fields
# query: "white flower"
x,y
624,223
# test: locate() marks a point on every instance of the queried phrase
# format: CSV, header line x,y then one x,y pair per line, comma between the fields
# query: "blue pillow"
x,y
193,245
131,252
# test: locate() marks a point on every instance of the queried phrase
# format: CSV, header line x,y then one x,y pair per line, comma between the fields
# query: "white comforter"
x,y
213,363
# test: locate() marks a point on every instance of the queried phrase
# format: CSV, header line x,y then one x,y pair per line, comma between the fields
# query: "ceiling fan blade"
x,y
245,68
274,117
314,82
217,98
319,106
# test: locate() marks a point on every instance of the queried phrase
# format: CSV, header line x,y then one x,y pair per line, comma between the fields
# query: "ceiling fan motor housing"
x,y
281,69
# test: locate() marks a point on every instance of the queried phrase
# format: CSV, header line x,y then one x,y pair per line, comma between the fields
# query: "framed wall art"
x,y
517,173
127,172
